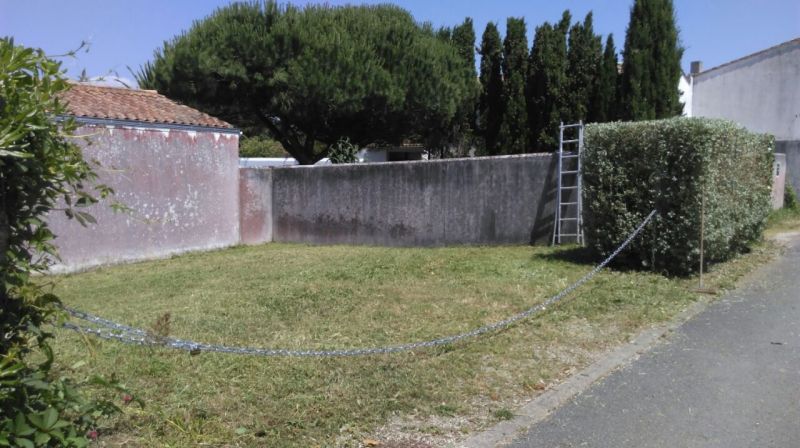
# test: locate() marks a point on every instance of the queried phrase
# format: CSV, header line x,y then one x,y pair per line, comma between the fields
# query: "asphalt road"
x,y
728,378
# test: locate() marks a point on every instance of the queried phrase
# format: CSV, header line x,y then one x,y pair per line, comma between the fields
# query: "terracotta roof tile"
x,y
90,101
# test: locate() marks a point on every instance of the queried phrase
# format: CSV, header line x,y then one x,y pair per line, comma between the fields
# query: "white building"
x,y
760,91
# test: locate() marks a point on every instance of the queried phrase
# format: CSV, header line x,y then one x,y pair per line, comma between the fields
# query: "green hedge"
x,y
632,168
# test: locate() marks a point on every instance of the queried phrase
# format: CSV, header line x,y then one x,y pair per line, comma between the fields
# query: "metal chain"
x,y
136,336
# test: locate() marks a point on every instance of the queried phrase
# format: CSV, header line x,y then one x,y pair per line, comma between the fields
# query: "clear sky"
x,y
125,33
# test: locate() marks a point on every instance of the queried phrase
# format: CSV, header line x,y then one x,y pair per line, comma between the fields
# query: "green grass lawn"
x,y
296,296
784,220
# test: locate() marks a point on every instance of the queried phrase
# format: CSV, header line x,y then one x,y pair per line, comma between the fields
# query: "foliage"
x,y
790,201
465,122
457,139
261,146
38,168
343,152
651,62
513,135
685,168
311,76
583,59
604,104
464,41
546,84
490,109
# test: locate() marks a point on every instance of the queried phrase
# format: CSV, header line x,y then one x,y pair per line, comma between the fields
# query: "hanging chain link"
x,y
115,331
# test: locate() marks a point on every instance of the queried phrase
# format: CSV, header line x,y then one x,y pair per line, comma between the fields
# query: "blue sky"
x,y
125,33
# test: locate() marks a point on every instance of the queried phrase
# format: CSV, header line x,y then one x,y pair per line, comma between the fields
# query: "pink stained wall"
x,y
182,188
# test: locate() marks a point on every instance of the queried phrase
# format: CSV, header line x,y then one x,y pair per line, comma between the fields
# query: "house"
x,y
761,91
174,167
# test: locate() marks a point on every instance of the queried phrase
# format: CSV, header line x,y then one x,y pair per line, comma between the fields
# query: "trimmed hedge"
x,y
631,168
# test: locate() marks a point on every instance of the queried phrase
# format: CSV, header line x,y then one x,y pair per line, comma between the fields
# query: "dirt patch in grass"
x,y
295,296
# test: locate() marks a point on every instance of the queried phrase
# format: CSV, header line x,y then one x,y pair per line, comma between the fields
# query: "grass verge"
x,y
296,296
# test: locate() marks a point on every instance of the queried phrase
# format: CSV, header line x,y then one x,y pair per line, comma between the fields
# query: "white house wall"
x,y
761,92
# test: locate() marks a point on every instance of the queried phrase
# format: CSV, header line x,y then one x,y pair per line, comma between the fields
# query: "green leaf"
x,y
50,417
41,438
24,443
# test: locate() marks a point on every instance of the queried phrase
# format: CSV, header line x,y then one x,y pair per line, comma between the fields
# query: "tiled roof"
x,y
115,103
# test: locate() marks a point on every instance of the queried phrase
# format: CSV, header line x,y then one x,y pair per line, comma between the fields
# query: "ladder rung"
x,y
568,219
568,155
568,234
571,125
569,188
570,172
575,140
569,203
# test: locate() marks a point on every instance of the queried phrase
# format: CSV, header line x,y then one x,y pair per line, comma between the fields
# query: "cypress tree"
x,y
651,64
583,58
490,109
463,38
514,129
546,83
605,100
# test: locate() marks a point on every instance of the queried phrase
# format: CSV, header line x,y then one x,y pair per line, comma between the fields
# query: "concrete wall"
x,y
182,187
792,151
761,91
255,210
493,200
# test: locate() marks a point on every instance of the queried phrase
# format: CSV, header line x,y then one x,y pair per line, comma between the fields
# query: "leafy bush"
x,y
343,152
261,147
38,167
790,201
670,165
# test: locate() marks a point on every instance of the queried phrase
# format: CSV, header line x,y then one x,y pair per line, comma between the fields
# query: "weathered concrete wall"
x,y
255,210
761,92
182,187
792,151
493,200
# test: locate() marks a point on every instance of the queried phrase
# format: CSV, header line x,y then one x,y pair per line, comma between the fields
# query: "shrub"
x,y
39,166
261,147
670,165
343,152
790,201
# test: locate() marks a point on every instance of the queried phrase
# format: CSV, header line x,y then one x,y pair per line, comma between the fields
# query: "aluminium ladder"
x,y
569,206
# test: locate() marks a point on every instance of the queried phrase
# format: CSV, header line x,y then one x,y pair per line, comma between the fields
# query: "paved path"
x,y
728,378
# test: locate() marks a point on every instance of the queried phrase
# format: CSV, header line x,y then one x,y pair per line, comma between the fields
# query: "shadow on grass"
x,y
570,254
584,256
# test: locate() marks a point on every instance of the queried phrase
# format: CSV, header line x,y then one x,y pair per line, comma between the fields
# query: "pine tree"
x,y
490,111
605,99
651,64
514,128
583,57
546,83
312,76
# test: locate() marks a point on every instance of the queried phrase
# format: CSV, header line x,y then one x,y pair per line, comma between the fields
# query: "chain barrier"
x,y
129,335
